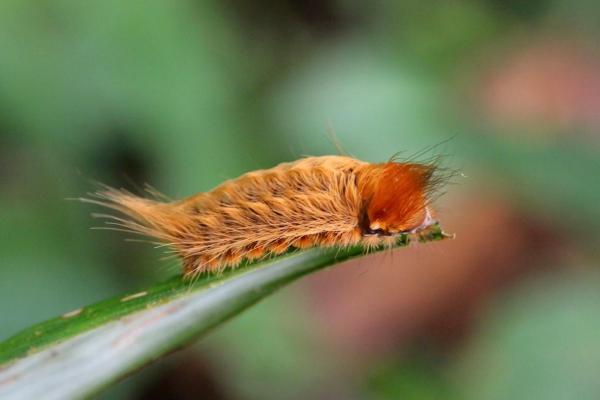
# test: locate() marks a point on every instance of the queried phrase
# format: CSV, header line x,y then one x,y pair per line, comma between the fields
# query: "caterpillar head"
x,y
395,197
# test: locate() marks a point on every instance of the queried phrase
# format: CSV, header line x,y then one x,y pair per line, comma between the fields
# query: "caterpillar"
x,y
314,201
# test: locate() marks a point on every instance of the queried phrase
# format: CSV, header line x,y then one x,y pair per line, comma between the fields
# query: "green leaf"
x,y
86,350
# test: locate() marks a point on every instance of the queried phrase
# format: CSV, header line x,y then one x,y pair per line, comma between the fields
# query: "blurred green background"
x,y
186,94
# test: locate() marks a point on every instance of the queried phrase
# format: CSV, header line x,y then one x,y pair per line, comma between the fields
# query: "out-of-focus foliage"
x,y
185,94
542,344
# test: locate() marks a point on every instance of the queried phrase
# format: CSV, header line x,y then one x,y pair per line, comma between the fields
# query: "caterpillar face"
x,y
379,228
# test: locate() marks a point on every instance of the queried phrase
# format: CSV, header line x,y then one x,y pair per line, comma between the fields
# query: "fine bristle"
x,y
144,216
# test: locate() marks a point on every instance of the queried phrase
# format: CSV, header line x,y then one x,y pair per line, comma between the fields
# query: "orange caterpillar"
x,y
315,201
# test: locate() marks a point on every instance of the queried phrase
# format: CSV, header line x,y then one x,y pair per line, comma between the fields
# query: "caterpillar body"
x,y
314,201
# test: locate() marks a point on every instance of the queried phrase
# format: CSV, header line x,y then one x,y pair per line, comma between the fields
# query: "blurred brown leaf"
x,y
545,81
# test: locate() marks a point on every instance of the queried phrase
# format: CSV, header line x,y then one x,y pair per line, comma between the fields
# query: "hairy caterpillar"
x,y
315,201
